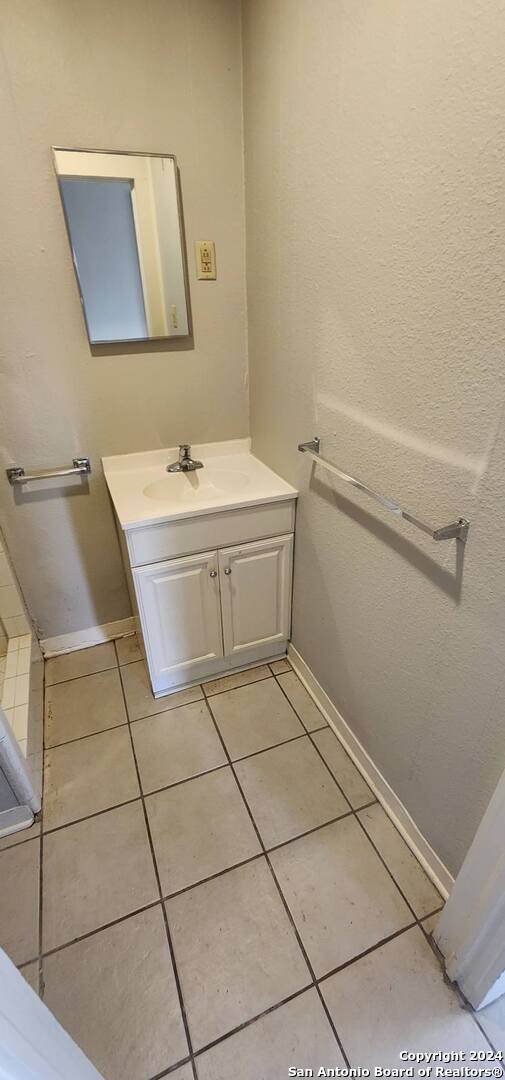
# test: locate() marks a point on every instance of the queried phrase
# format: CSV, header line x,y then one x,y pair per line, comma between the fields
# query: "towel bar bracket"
x,y
314,445
456,530
17,475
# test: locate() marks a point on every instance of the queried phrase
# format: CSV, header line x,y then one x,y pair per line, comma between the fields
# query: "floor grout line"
x,y
352,811
172,1069
356,813
325,763
483,1031
185,780
32,960
195,884
96,813
386,867
430,915
259,1016
165,712
263,853
156,791
89,735
259,854
366,952
203,697
25,840
85,674
136,719
281,894
163,907
128,637
227,690
146,794
213,877
308,832
456,989
126,663
105,926
418,919
274,746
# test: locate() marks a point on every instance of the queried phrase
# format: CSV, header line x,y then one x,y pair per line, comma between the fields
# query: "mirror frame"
x,y
182,233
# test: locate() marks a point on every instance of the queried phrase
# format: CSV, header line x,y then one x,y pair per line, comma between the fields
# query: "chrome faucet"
x,y
185,462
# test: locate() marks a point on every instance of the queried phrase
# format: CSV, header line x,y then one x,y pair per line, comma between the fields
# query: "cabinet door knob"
x,y
227,571
213,573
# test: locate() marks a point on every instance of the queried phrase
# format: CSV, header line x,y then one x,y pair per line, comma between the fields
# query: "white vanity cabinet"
x,y
200,612
208,612
208,557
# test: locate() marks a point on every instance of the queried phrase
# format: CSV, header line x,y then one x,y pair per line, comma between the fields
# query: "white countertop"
x,y
144,493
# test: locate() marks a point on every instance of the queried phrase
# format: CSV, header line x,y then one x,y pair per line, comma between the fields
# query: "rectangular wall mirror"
x,y
124,222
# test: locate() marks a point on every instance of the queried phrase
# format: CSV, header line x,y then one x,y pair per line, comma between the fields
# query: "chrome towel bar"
x,y
17,475
456,530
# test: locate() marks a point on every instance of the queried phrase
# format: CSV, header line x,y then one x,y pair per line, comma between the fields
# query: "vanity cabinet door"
x,y
180,614
256,593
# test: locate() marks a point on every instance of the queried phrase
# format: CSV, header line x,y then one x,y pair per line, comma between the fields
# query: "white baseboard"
x,y
393,806
84,639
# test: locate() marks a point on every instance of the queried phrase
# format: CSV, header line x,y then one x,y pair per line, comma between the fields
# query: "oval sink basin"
x,y
206,483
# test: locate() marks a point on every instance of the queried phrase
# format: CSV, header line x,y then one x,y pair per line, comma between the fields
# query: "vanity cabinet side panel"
x,y
123,543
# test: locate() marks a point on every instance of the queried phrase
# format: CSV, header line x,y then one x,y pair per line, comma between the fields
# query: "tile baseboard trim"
x,y
85,639
393,806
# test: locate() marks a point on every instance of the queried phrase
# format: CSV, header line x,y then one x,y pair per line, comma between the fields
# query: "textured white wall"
x,y
375,176
162,75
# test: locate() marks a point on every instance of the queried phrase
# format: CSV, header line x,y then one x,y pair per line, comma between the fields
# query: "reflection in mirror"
x,y
124,224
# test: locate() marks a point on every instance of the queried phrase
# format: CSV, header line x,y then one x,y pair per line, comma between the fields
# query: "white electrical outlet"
x,y
205,260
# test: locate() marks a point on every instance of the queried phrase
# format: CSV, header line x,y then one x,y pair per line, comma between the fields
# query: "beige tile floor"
x,y
215,893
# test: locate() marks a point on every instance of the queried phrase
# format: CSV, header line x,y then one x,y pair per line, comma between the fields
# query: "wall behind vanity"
x,y
376,263
162,76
